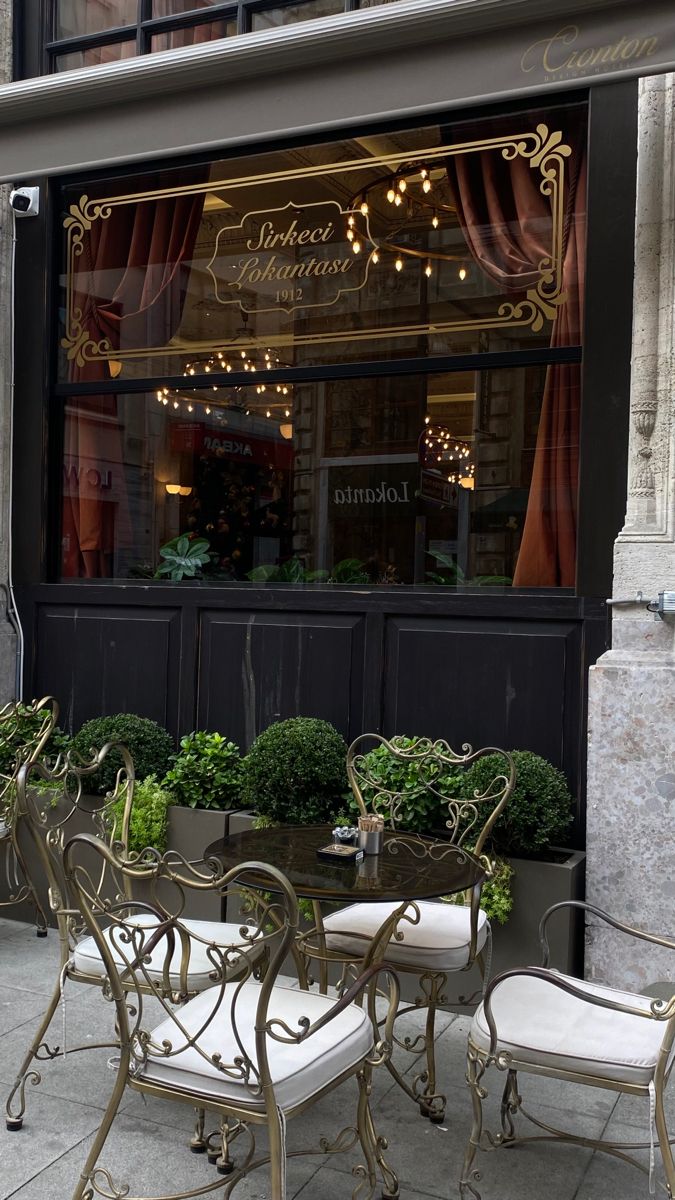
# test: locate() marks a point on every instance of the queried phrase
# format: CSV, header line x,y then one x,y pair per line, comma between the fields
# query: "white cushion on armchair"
x,y
543,1026
439,942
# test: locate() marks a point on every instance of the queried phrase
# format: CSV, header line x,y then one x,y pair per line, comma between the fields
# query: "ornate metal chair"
x,y
538,1021
14,718
51,818
255,1052
426,939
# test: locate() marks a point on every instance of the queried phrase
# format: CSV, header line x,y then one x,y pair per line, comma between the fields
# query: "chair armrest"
x,y
344,1002
655,938
659,1010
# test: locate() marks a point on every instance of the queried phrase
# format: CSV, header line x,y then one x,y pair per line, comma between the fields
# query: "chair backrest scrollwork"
x,y
128,934
54,804
391,776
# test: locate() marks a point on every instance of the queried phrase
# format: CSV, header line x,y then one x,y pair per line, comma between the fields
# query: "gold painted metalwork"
x,y
113,924
469,824
543,148
479,1061
12,717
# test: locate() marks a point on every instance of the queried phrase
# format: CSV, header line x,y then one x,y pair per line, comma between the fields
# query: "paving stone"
x,y
56,1126
608,1178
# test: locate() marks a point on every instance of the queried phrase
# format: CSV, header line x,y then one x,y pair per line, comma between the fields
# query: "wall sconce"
x,y
286,431
176,489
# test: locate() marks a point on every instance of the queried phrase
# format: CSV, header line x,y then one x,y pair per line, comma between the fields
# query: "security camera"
x,y
25,201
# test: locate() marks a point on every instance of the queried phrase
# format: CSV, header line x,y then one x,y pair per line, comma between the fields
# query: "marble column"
x,y
631,735
7,636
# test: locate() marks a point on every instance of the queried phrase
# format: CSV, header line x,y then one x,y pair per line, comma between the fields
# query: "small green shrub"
x,y
149,745
419,809
206,772
148,821
538,813
295,772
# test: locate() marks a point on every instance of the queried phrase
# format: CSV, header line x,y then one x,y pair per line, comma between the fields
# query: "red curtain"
x,y
507,225
132,279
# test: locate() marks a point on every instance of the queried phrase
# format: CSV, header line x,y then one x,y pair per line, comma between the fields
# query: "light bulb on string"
x,y
350,221
207,410
350,235
175,404
397,199
427,270
375,257
364,208
268,413
287,412
356,247
462,273
391,194
399,264
434,221
426,185
402,185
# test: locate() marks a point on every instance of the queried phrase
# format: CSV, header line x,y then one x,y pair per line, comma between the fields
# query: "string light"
x,y
426,186
399,264
375,257
462,273
434,221
391,195
356,247
427,270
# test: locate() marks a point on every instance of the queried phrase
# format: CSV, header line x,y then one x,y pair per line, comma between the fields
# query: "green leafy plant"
x,y
295,772
349,570
455,574
149,745
496,898
149,816
206,772
183,558
23,728
418,809
539,811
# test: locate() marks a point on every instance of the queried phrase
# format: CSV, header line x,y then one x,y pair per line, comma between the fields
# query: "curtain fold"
x,y
506,222
139,259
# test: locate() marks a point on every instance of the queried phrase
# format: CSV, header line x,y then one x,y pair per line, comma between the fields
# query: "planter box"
x,y
536,885
190,831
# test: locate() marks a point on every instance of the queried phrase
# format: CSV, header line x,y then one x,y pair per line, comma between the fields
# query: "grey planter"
x,y
536,885
190,831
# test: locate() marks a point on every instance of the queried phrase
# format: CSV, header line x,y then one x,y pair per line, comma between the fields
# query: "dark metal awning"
x,y
411,58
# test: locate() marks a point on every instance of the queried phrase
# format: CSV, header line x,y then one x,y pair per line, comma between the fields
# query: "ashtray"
x,y
340,853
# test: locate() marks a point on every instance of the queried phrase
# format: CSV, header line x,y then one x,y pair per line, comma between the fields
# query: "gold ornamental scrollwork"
x,y
543,148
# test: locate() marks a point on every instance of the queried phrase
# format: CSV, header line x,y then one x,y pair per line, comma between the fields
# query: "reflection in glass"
x,y
462,479
193,35
171,8
75,18
95,56
271,18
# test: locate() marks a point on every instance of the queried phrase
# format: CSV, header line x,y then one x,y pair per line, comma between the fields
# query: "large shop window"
x,y
239,278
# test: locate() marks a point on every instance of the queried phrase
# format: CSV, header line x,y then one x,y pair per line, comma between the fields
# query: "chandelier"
x,y
257,398
414,198
446,455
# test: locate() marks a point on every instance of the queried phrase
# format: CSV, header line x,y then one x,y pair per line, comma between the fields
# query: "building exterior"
x,y
344,295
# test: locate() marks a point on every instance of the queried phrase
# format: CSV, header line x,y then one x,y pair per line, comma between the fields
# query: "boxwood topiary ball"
x,y
295,772
148,744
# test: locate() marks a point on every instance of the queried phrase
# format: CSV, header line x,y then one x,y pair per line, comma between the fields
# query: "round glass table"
x,y
410,867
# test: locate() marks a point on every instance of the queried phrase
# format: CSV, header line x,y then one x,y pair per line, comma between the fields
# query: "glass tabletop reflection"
x,y
410,866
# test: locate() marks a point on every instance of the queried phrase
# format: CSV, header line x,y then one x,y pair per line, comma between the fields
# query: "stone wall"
x,y
631,737
7,637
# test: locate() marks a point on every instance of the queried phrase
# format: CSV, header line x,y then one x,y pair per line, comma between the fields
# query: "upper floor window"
x,y
87,33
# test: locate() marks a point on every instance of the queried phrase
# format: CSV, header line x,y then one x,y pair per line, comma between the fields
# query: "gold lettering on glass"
x,y
254,260
322,267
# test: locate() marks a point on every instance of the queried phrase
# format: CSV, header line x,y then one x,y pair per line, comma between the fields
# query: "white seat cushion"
x,y
298,1071
439,942
542,1025
201,968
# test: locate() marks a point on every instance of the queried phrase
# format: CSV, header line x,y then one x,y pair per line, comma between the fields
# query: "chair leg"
x,y
664,1143
511,1101
432,1103
14,1112
390,1188
40,916
198,1141
475,1069
224,1163
364,1125
83,1188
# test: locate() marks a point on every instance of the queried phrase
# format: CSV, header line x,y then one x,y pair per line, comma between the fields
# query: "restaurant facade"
x,y
323,399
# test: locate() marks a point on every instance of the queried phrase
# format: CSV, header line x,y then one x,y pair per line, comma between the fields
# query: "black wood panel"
x,y
510,684
103,660
257,668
